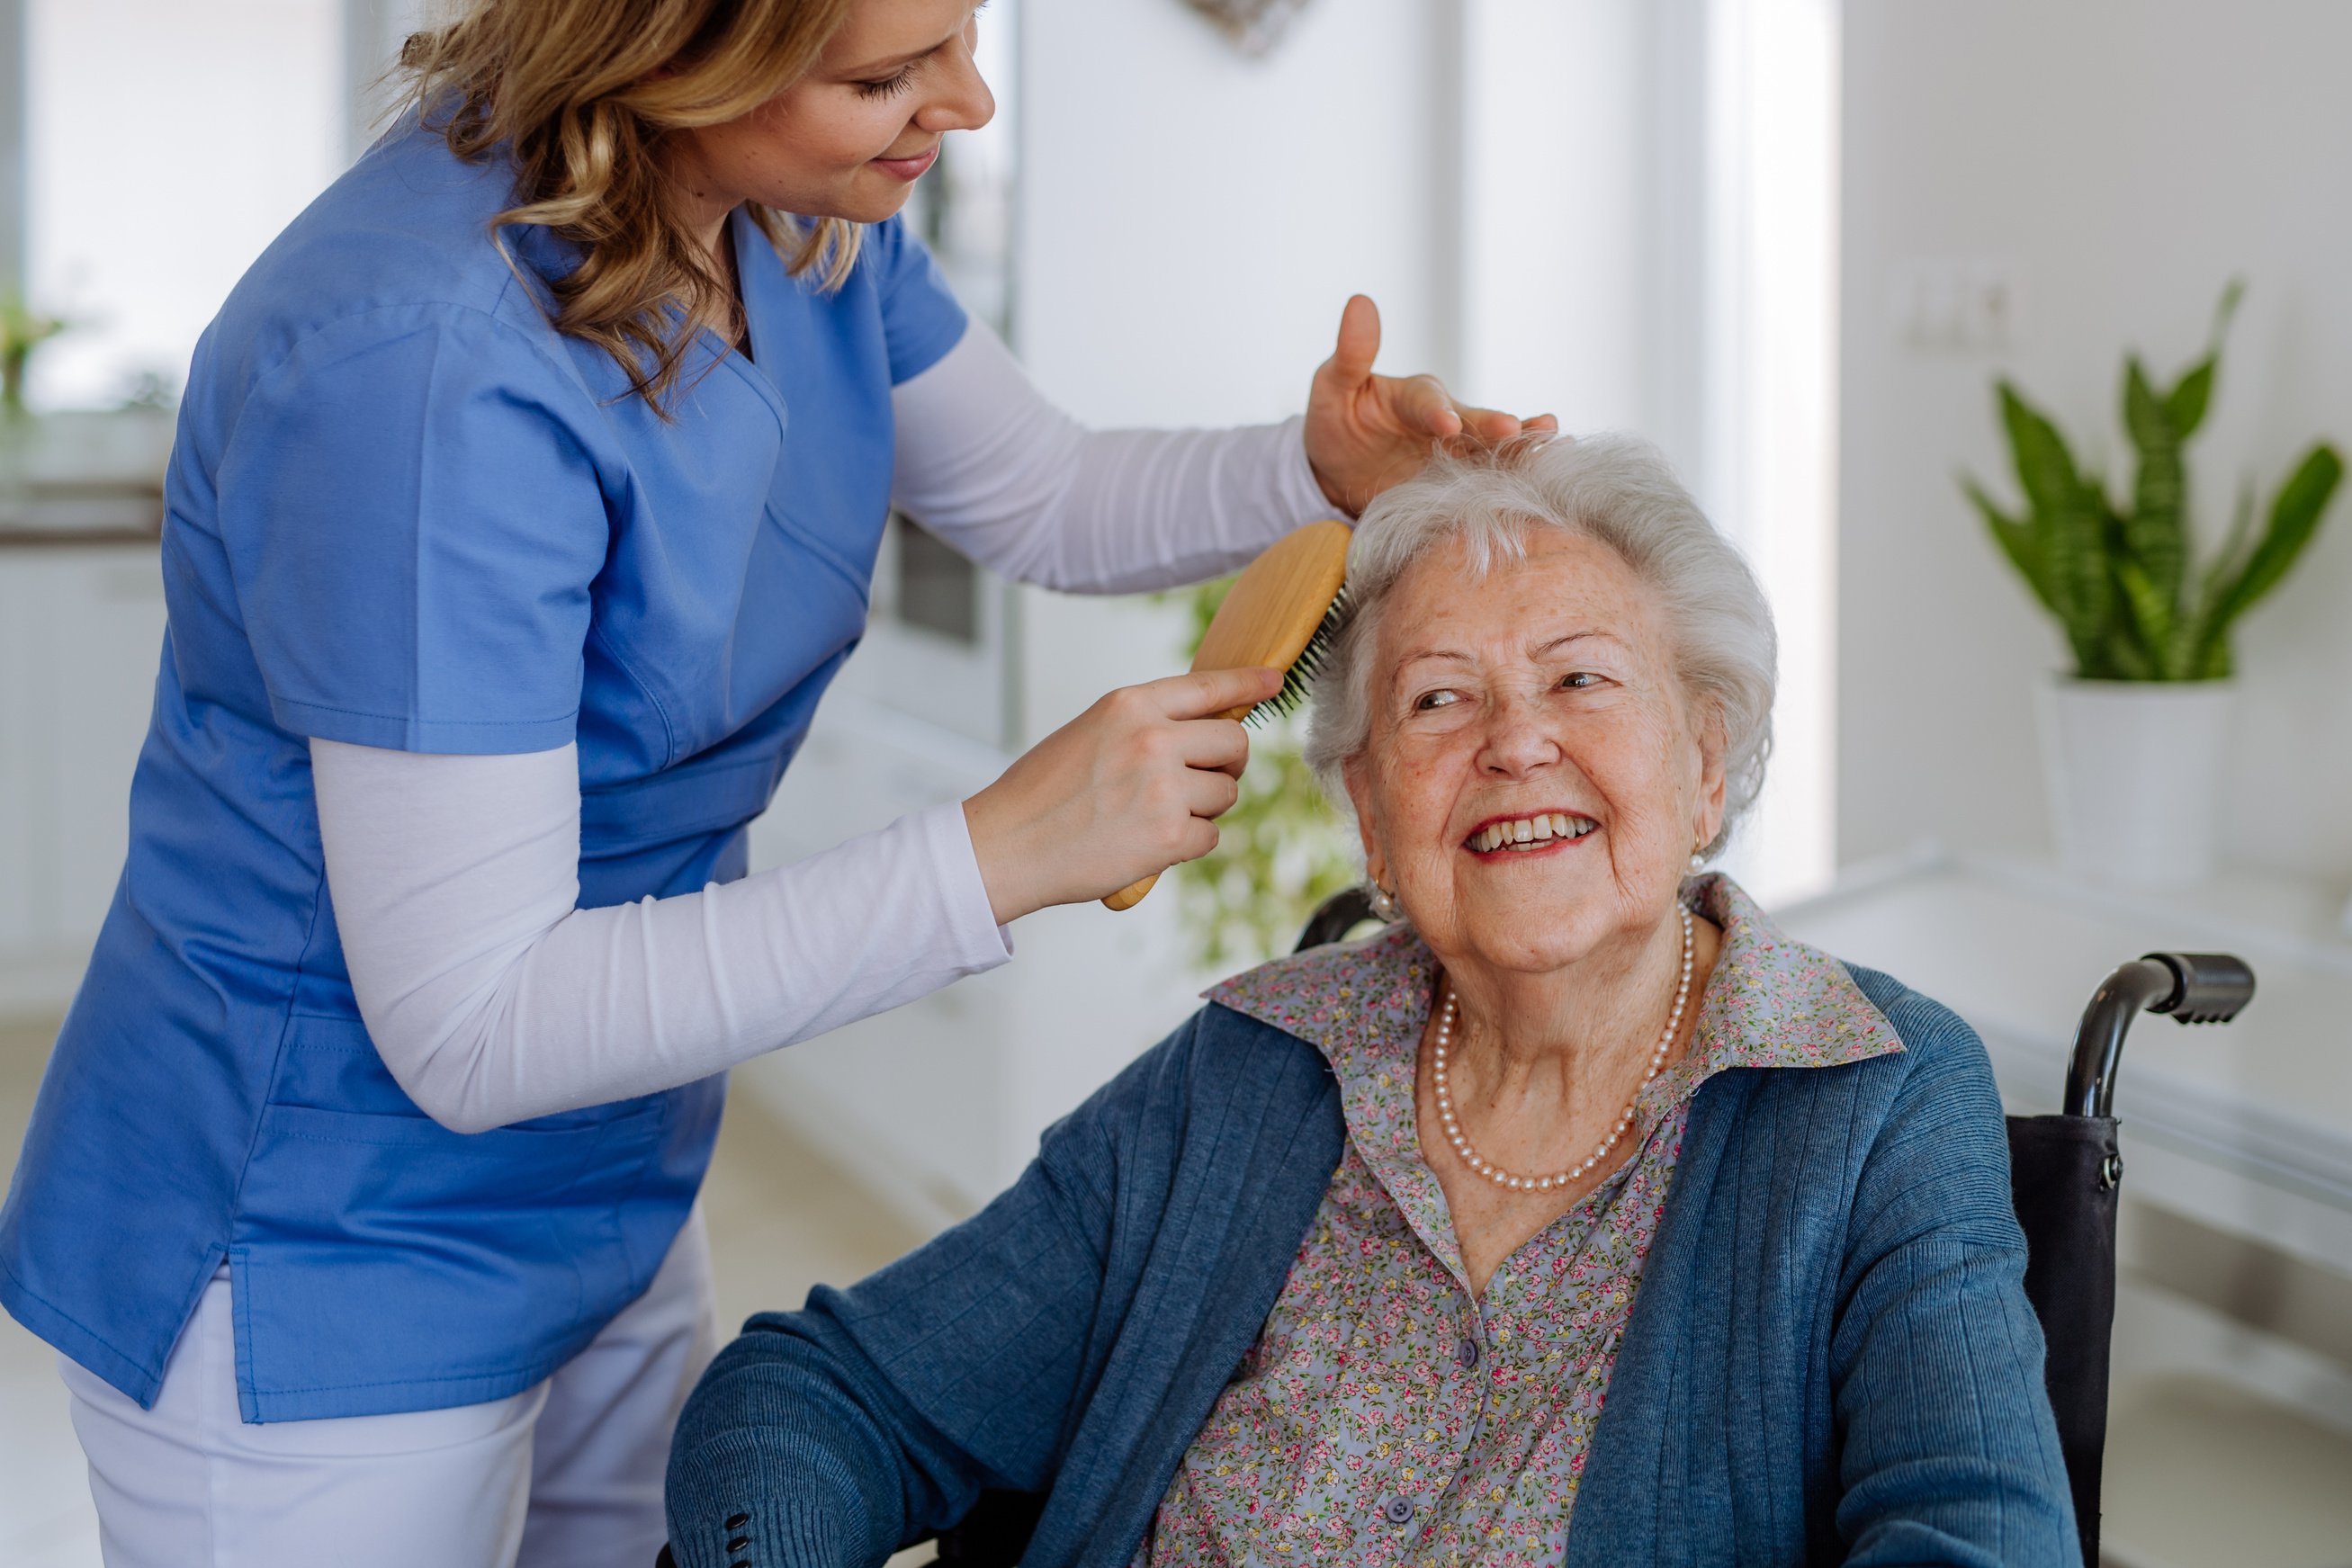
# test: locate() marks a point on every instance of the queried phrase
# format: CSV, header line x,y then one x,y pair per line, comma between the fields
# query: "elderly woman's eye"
x,y
1428,700
1579,680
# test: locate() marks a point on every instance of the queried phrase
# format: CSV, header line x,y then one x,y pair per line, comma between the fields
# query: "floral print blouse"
x,y
1386,1415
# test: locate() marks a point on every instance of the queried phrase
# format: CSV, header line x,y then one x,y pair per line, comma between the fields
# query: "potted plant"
x,y
2135,737
22,330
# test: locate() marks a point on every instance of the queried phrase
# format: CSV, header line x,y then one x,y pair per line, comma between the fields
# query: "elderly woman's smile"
x,y
1533,779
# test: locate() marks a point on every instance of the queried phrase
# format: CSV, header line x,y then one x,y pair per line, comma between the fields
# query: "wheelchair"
x,y
2065,1176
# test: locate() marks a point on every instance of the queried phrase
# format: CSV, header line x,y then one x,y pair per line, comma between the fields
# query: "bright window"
x,y
167,143
1771,379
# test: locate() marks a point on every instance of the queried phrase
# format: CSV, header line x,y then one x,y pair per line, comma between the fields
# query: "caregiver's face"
x,y
1505,707
850,138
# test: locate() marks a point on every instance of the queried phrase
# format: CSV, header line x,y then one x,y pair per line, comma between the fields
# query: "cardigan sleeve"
x,y
1949,1453
876,1414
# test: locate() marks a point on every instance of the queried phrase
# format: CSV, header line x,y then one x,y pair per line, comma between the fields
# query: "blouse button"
x,y
1465,1354
1398,1509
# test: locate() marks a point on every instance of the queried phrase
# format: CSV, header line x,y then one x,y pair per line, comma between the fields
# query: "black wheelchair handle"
x,y
2209,988
2194,988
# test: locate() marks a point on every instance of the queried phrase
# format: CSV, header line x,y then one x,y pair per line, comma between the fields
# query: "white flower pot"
x,y
2135,772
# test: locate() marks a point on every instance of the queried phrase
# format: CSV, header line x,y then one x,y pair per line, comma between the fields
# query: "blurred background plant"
x,y
22,330
2119,578
1281,851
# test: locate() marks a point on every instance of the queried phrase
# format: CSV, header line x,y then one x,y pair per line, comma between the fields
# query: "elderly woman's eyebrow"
x,y
1447,655
1542,651
1593,635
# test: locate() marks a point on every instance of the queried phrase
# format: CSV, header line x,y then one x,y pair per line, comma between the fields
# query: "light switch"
x,y
1952,307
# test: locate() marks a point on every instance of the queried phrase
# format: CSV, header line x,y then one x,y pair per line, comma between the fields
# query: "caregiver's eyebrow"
x,y
881,68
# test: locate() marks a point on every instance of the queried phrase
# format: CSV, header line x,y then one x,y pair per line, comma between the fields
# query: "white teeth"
x,y
1537,830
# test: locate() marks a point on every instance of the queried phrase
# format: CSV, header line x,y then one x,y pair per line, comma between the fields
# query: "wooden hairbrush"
x,y
1281,612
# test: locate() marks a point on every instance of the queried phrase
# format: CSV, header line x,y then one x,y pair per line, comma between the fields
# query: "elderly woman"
x,y
1579,1212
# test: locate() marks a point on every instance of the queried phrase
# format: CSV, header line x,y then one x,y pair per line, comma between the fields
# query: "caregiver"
x,y
525,498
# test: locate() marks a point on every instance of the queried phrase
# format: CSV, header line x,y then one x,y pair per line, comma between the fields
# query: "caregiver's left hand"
x,y
1366,433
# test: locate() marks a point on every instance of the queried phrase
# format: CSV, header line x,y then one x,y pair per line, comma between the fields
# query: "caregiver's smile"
x,y
909,169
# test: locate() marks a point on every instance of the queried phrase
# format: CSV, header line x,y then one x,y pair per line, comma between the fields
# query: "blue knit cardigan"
x,y
1831,1358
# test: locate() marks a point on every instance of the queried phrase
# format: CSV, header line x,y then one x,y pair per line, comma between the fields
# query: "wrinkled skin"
x,y
1547,686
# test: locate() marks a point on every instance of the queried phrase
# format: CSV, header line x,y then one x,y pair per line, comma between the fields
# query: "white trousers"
x,y
567,1474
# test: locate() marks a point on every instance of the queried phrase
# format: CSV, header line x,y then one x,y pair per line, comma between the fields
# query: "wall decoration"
x,y
1254,25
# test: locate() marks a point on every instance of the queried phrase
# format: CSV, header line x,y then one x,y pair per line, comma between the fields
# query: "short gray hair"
x,y
1615,489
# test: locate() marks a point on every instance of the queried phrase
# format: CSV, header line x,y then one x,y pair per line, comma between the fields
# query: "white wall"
x,y
2119,160
1193,220
1563,275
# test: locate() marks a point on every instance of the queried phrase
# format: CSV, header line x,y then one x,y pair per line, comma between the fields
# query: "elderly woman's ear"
x,y
1713,785
1360,796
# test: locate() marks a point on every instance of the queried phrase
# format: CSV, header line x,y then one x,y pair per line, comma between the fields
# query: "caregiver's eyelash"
x,y
892,85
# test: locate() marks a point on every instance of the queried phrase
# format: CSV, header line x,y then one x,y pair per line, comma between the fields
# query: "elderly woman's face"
x,y
1504,707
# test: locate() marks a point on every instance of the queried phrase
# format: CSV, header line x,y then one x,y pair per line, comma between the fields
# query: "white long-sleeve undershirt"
x,y
492,998
1012,482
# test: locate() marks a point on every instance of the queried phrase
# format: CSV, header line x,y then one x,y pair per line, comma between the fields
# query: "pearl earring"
x,y
1384,904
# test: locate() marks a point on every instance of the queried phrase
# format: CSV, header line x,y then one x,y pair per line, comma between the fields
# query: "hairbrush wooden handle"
x,y
1131,895
1269,616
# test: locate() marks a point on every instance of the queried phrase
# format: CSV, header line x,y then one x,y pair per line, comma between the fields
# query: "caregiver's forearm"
x,y
985,461
492,998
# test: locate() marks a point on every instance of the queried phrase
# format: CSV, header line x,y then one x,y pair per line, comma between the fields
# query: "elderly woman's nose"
x,y
1517,739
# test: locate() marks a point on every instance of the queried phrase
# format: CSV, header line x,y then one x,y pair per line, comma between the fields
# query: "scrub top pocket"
x,y
428,1256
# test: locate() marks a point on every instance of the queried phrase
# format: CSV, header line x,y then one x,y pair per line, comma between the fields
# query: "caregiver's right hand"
x,y
1125,790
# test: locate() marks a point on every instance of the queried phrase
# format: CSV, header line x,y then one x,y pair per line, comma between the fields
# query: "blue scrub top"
x,y
405,512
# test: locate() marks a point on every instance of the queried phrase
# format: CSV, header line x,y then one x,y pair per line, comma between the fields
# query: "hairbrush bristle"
x,y
1296,679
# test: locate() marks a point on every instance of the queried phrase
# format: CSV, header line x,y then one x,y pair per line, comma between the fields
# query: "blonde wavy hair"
x,y
578,94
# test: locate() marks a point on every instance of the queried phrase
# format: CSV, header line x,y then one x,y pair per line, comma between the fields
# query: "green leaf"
x,y
2194,392
2017,542
2232,293
2156,532
2153,620
2125,660
2226,564
2235,543
2294,520
2190,397
2066,520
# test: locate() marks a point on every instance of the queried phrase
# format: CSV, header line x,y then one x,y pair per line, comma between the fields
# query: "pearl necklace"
x,y
1497,1173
